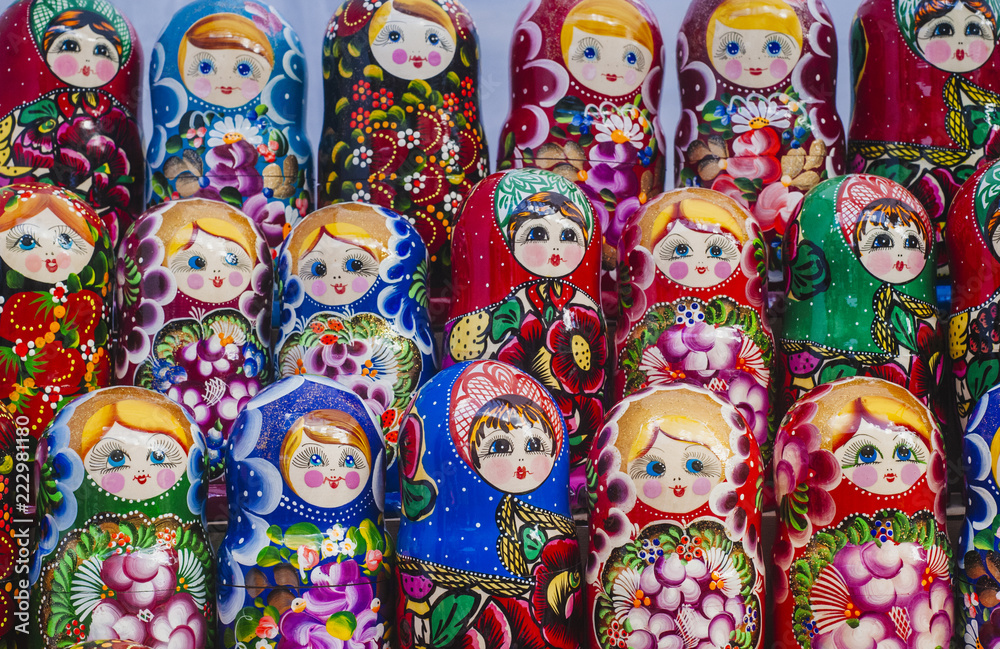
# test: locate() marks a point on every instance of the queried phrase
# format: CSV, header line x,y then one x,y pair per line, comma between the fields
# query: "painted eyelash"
x,y
584,44
729,249
522,235
193,69
77,240
359,460
670,246
731,37
305,268
254,67
640,59
243,261
918,455
869,243
494,436
180,262
546,446
443,41
98,462
383,36
922,245
710,467
171,456
637,467
782,40
15,233
302,458
368,269
852,454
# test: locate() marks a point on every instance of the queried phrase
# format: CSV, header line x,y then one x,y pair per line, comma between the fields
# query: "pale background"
x,y
495,20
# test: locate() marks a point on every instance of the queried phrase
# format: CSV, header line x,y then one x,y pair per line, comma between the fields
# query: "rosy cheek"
x,y
201,87
313,478
497,472
65,65
195,281
652,489
779,69
166,478
864,476
62,260
701,486
677,270
937,51
573,256
399,56
914,260
33,263
589,71
236,278
734,69
910,473
723,269
540,467
318,287
359,285
979,51
631,76
879,263
434,58
534,254
352,479
106,70
113,482
250,89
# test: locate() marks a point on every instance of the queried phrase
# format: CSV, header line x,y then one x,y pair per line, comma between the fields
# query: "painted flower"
x,y
267,627
619,129
373,559
579,350
408,138
308,557
760,113
700,349
230,130
556,604
361,156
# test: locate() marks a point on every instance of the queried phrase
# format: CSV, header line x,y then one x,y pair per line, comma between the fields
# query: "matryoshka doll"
x,y
527,255
926,80
401,127
758,118
227,82
353,286
70,105
692,302
123,553
585,89
859,290
194,290
305,562
862,556
55,264
973,238
674,535
486,542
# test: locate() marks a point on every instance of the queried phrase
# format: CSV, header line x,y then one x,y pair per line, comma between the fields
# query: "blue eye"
x,y
353,265
243,69
433,39
903,453
64,240
197,262
732,48
157,457
568,235
231,259
501,447
349,462
590,53
316,459
882,241
682,250
395,36
206,67
27,242
868,454
538,233
318,269
631,58
773,48
656,469
116,458
694,465
715,251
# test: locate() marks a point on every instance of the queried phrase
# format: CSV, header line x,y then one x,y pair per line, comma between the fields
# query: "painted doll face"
x,y
45,249
958,41
135,464
227,78
211,269
675,476
753,58
893,253
550,246
696,259
883,460
611,65
83,58
409,47
515,461
327,475
336,272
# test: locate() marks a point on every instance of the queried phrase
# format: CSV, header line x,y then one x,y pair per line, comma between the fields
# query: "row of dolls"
x,y
487,552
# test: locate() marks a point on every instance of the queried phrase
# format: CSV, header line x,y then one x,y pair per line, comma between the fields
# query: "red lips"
x,y
86,69
701,269
417,61
521,473
756,71
611,77
959,54
226,90
333,482
340,289
141,478
679,491
900,265
555,260
51,265
890,477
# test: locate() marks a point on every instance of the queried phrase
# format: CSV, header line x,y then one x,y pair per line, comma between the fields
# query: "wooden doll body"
x,y
859,268
486,523
194,293
56,316
758,119
973,328
69,113
928,128
227,82
123,553
402,124
526,264
677,495
862,556
692,302
586,77
305,561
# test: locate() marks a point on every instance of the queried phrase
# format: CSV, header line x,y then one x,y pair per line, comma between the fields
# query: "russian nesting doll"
x,y
758,118
353,287
585,85
973,238
862,557
305,562
527,255
123,553
227,82
859,290
70,105
693,265
487,548
402,124
194,290
55,322
926,81
675,533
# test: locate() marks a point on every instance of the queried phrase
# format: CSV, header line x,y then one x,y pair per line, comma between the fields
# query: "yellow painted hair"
x,y
676,427
606,18
226,32
325,427
27,208
346,232
773,15
696,211
136,415
425,9
882,410
185,236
